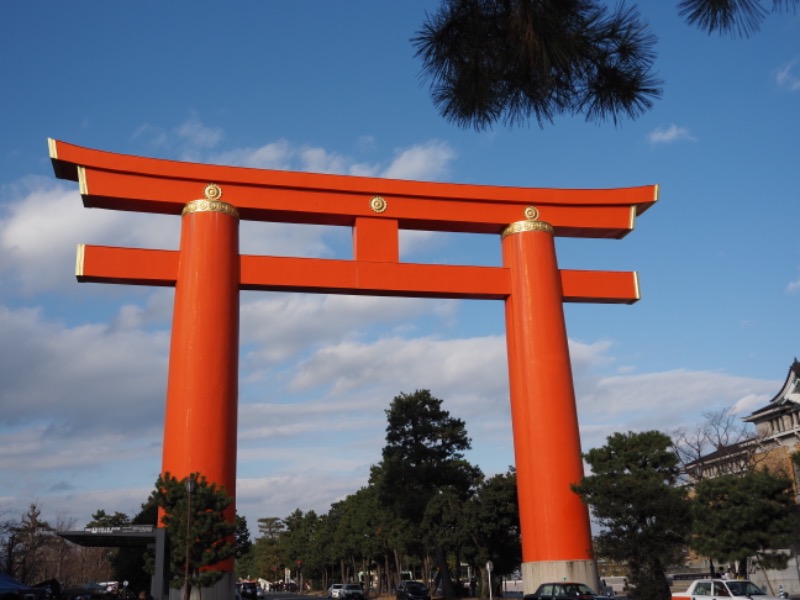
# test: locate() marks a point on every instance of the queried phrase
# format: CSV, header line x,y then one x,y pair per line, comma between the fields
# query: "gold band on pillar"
x,y
211,203
521,226
529,224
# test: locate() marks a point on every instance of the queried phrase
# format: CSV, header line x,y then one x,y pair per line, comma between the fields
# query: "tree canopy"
x,y
492,525
644,518
423,477
512,60
27,543
197,528
747,515
424,453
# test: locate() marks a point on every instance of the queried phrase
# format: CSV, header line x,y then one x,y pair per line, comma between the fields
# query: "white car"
x,y
335,590
351,591
730,589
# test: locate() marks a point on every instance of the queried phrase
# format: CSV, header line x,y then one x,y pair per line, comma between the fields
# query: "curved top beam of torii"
x,y
125,182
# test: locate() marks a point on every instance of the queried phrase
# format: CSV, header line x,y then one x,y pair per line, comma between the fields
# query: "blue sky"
x,y
335,87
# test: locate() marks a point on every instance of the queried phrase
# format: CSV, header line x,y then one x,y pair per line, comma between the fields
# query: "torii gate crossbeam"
x,y
208,272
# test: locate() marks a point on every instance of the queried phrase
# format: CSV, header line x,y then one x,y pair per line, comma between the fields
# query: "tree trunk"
x,y
741,568
444,575
426,571
388,567
398,567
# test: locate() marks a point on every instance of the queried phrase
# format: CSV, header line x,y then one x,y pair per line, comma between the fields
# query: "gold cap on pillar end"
x,y
211,203
530,224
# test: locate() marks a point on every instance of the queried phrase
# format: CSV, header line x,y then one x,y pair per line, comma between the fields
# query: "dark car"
x,y
248,590
412,590
351,591
563,590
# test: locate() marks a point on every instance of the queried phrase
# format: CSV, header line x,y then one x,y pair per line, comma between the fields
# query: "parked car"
x,y
351,591
564,590
412,590
335,590
734,588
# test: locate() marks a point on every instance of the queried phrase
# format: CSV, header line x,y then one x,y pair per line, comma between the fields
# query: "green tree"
x,y
271,527
268,556
493,527
423,457
510,60
364,531
299,543
444,533
31,537
345,535
7,546
644,518
199,534
243,542
102,519
750,515
331,540
244,548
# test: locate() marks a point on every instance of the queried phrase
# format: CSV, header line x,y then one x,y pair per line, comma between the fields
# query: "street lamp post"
x,y
190,485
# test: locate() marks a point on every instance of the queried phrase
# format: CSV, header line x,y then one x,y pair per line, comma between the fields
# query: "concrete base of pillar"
x,y
222,590
580,571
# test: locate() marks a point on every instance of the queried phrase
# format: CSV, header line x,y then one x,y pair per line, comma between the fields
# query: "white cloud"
x,y
319,160
41,229
196,134
288,239
786,77
275,155
428,161
284,156
667,399
461,366
84,378
279,326
152,135
188,141
673,133
425,161
277,496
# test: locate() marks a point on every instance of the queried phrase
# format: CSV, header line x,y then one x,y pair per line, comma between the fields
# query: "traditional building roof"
x,y
781,415
777,426
787,398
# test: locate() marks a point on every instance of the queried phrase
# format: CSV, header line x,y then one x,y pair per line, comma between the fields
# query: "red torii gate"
x,y
208,272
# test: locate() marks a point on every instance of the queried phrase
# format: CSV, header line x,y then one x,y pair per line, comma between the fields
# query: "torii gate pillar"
x,y
556,535
203,381
208,272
